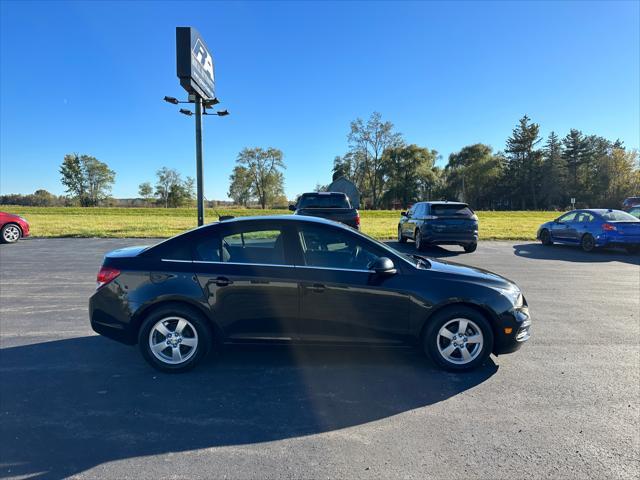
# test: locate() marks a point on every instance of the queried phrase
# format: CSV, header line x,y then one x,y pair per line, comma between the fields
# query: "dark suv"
x,y
330,205
440,223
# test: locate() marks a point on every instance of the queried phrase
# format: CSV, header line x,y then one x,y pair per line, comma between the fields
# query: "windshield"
x,y
415,260
619,216
324,201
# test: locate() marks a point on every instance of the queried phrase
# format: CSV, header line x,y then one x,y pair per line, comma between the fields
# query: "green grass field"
x,y
161,222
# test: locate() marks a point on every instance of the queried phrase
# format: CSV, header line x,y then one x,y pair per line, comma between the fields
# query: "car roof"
x,y
599,211
323,193
444,202
286,217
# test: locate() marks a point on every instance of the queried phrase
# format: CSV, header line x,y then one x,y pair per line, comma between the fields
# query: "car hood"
x,y
472,274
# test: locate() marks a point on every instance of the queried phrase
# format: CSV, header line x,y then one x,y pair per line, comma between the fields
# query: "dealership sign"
x,y
194,63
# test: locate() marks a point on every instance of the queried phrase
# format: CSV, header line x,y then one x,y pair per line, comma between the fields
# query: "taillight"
x,y
106,275
607,227
358,219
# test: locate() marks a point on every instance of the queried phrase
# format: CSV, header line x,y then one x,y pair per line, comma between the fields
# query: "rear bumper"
x,y
110,317
450,238
617,240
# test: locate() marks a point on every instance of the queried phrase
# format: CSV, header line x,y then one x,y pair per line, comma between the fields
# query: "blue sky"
x,y
89,77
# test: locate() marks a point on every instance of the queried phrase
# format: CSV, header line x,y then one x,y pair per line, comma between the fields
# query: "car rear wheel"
x,y
458,338
10,233
588,243
470,248
545,237
418,239
174,339
401,237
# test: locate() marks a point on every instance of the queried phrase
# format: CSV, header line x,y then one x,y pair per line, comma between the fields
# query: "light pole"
x,y
201,105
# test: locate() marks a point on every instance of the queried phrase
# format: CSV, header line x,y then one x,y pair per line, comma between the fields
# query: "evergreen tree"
x,y
554,178
525,161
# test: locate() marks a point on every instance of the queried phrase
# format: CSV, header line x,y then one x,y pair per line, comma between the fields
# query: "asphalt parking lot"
x,y
565,406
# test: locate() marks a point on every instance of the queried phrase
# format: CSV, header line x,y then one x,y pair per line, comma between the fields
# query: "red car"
x,y
12,228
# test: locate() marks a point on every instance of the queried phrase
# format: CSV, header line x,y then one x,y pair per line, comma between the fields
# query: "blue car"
x,y
593,228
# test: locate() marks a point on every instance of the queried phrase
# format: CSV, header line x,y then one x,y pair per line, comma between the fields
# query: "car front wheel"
x,y
174,339
458,338
10,233
401,237
545,237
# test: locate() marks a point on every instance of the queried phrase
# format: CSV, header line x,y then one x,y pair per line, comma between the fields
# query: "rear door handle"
x,y
223,281
316,288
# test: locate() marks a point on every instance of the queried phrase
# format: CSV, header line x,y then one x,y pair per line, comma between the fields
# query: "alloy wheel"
x,y
11,233
460,341
173,340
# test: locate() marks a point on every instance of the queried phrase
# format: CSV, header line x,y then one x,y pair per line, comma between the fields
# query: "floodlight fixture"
x,y
210,102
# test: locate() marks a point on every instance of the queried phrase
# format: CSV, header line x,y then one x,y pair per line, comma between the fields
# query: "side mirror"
x,y
404,214
557,220
292,208
383,266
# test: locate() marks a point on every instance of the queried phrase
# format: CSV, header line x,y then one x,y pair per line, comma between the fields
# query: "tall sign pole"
x,y
199,176
194,64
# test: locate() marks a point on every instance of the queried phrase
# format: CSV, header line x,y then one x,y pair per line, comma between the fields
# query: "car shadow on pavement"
x,y
434,251
570,253
70,405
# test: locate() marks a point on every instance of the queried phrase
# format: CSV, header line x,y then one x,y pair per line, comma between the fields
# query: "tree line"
x,y
528,174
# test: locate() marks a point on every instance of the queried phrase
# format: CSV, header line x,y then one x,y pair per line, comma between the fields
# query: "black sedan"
x,y
440,223
300,279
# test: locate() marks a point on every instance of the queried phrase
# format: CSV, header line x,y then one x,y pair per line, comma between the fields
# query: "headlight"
x,y
514,295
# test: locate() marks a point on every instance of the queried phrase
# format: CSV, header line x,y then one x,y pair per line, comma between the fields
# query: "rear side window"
x,y
208,248
254,246
324,201
449,210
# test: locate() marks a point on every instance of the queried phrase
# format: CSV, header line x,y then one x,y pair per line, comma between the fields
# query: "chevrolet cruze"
x,y
300,279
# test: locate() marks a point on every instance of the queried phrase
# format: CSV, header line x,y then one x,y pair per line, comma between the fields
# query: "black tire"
x,y
417,236
432,341
10,233
401,237
588,243
470,248
203,337
545,237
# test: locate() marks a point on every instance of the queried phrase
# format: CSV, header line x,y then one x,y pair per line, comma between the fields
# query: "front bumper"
x,y
517,322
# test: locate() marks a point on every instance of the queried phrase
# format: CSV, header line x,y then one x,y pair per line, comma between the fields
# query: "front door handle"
x,y
223,281
316,287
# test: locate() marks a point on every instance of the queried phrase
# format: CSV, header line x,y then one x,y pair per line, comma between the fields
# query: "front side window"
x,y
569,217
333,248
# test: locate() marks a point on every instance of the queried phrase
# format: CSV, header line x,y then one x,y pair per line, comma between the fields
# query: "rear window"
x,y
324,201
619,216
446,210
